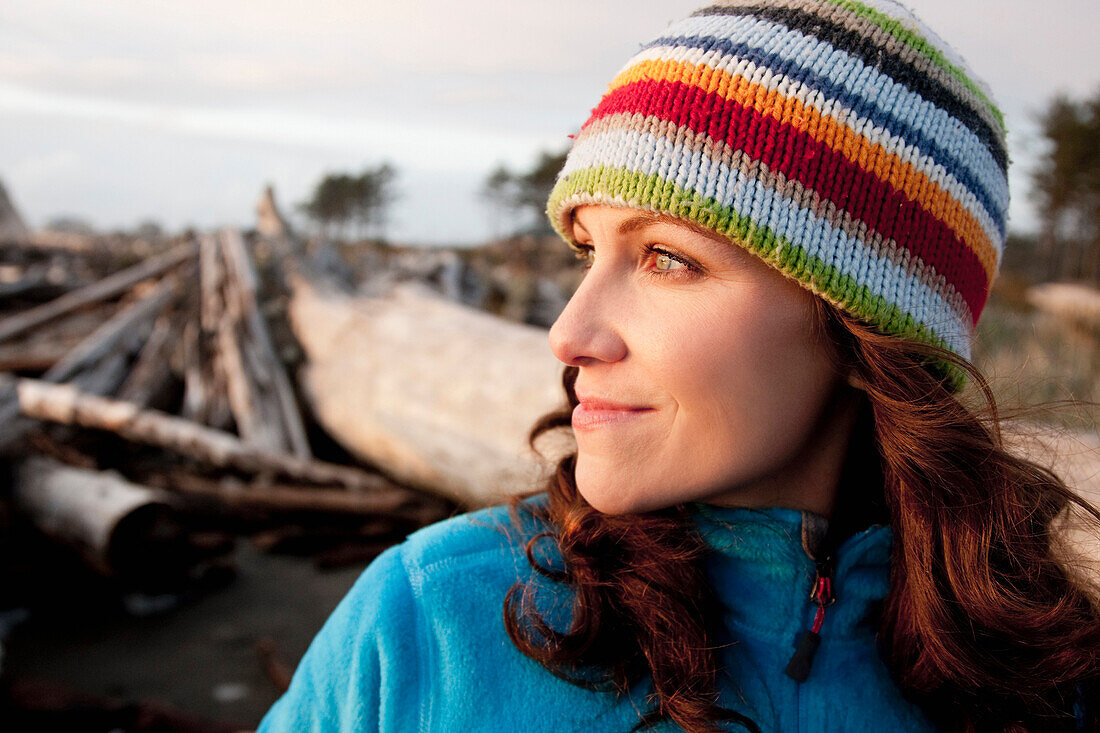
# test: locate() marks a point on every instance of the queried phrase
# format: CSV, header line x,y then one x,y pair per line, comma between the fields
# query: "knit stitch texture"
x,y
842,142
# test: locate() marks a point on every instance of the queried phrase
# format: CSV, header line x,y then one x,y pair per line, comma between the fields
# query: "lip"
x,y
597,403
593,412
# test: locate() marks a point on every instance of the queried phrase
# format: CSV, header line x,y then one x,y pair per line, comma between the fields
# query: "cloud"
x,y
419,143
42,169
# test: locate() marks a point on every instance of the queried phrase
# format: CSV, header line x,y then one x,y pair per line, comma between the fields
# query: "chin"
x,y
609,503
637,494
602,495
607,497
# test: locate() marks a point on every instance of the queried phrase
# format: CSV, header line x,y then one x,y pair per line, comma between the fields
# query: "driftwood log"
x,y
100,363
44,346
106,376
38,282
204,394
98,513
138,316
108,287
439,395
395,502
12,226
67,405
1070,302
152,371
257,347
260,395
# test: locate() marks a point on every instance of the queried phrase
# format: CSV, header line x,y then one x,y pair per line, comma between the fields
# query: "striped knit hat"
x,y
842,142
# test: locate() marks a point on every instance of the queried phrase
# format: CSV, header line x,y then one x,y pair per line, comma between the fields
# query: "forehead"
x,y
624,220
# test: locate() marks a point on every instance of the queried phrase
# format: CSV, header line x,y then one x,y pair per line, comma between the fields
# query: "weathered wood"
x,y
83,508
66,242
44,444
1069,301
152,370
211,276
256,416
204,390
270,223
33,279
120,327
44,346
395,501
439,395
33,357
68,406
106,288
102,378
12,227
270,394
106,376
206,397
240,355
97,364
194,391
224,365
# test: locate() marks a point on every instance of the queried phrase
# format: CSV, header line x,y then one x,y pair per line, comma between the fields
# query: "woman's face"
x,y
701,376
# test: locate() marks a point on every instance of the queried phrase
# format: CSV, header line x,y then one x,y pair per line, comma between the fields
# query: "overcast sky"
x,y
117,111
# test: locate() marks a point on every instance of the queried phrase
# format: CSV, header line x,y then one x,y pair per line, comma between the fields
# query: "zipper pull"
x,y
821,594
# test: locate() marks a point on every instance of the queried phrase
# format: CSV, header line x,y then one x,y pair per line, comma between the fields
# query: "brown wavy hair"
x,y
988,624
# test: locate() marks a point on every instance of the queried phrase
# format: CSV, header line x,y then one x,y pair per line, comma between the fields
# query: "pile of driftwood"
x,y
129,400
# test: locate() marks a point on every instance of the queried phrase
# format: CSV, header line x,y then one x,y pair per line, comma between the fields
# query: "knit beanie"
x,y
842,142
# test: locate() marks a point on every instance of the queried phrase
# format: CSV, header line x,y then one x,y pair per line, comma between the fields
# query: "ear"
x,y
855,382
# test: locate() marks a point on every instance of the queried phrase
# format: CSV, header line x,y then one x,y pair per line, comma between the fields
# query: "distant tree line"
x,y
521,195
1067,183
344,205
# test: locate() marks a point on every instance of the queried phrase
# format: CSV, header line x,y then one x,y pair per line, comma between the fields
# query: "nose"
x,y
588,330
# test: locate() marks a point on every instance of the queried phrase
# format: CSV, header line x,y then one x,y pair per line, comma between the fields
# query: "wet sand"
x,y
200,657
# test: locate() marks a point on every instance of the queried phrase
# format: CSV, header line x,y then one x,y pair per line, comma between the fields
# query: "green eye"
x,y
667,262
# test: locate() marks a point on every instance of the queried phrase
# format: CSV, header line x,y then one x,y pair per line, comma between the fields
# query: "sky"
x,y
121,111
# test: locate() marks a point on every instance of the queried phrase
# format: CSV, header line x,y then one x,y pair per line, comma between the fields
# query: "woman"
x,y
779,516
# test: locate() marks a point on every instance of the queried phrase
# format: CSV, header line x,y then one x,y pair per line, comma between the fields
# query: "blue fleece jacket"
x,y
419,644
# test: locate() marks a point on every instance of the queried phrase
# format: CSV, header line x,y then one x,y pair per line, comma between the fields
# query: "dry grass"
x,y
1042,367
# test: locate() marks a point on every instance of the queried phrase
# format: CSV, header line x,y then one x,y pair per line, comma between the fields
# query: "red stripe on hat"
x,y
866,197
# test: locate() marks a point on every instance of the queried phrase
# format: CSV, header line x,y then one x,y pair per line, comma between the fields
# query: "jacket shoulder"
x,y
487,536
427,604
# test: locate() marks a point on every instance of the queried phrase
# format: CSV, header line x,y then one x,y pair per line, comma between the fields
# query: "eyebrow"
x,y
635,223
646,220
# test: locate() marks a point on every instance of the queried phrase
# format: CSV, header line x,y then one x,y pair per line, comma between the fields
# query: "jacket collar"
x,y
762,571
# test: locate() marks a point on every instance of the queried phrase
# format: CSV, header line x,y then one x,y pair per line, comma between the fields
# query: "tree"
x,y
1067,182
497,190
523,194
346,200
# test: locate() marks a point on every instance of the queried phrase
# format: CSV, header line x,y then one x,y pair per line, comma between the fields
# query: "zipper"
x,y
822,596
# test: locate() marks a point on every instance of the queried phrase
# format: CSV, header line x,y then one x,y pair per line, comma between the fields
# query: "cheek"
x,y
746,373
728,344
